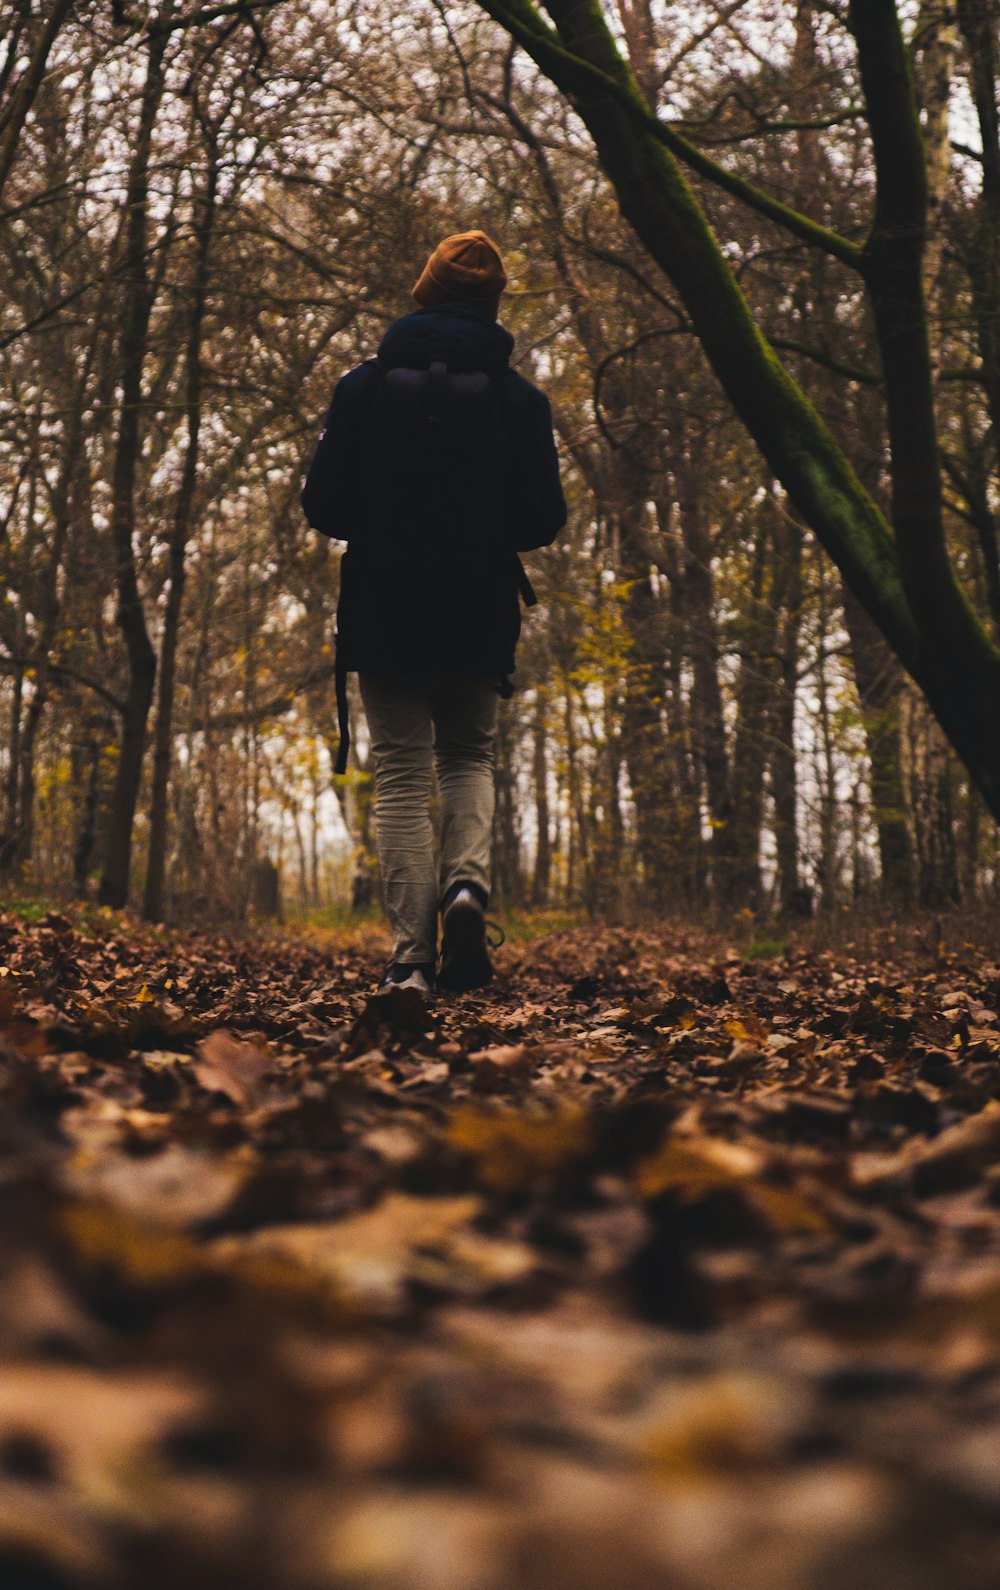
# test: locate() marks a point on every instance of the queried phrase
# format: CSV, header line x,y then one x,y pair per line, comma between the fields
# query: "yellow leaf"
x,y
696,1167
106,1237
517,1151
788,1209
747,1029
369,1257
727,1421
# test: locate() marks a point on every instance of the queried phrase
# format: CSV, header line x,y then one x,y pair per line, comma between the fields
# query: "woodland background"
x,y
208,212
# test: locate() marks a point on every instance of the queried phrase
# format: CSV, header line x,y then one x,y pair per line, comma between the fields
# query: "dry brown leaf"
x,y
228,1065
957,1157
723,1421
107,1238
825,1356
177,1187
693,1165
98,1427
501,1063
959,1154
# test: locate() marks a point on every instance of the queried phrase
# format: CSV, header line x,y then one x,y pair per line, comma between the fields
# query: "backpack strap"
x,y
524,585
343,716
527,591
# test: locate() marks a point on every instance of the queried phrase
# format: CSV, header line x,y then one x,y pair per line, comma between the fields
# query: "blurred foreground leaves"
x,y
646,1268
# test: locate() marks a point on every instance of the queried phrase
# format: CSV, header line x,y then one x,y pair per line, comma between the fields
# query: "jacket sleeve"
x,y
537,504
331,496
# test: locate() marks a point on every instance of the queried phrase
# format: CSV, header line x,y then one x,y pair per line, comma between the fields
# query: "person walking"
x,y
437,465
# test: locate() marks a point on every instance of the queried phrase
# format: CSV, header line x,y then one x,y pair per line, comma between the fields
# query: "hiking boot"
x,y
465,961
409,974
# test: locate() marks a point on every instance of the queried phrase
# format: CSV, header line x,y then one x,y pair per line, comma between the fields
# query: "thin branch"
x,y
9,665
275,707
123,18
853,372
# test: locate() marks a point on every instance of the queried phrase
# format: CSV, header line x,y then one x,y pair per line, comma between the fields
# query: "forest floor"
x,y
654,1267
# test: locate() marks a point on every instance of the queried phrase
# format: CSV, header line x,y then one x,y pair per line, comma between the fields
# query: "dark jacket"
x,y
408,614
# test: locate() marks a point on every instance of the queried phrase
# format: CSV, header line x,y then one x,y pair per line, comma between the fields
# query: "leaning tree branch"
x,y
581,77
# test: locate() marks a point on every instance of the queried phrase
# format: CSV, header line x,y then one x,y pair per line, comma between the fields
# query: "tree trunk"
x,y
182,848
939,885
87,830
783,762
9,835
63,502
828,866
131,615
652,729
742,887
578,865
507,849
696,598
974,479
879,681
982,258
153,903
542,876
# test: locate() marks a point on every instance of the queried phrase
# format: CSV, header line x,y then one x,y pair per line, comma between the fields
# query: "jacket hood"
x,y
462,337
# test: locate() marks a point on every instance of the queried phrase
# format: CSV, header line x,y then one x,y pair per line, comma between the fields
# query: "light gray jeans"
x,y
421,724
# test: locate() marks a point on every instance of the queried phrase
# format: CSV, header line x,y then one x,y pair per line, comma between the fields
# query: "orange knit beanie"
x,y
466,266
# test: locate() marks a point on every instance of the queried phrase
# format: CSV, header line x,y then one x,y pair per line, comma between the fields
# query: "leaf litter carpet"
x,y
646,1268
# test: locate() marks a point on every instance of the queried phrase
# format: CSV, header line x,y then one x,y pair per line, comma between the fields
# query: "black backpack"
x,y
435,484
435,477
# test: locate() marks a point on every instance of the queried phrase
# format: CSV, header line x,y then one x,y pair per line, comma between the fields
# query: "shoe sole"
x,y
421,987
465,962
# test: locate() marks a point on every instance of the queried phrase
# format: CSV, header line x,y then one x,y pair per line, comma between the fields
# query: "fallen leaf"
x,y
722,1421
372,1256
174,1188
693,1168
959,1155
227,1065
502,1063
514,1151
